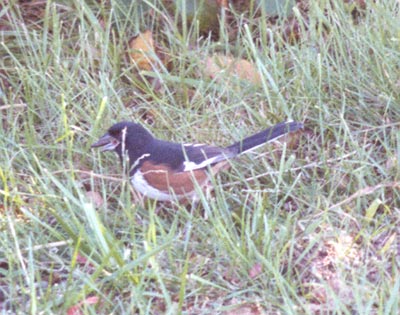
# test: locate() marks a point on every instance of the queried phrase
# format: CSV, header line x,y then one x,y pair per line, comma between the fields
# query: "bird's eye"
x,y
115,133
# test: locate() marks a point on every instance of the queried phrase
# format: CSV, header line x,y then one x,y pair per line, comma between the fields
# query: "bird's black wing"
x,y
186,157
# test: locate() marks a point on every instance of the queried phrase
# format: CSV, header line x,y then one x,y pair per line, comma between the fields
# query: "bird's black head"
x,y
124,136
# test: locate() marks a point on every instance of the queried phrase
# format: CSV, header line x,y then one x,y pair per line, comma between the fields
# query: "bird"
x,y
170,171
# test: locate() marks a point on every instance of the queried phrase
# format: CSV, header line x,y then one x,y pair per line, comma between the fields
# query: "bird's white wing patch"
x,y
191,166
194,145
136,163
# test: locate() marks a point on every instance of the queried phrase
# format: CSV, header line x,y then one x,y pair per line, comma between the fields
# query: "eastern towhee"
x,y
167,171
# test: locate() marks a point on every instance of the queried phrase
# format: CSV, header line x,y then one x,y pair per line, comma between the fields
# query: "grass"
x,y
310,226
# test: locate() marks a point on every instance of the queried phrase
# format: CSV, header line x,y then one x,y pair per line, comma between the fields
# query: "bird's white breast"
x,y
141,185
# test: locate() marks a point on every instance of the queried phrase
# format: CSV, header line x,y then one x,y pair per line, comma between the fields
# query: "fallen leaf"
x,y
255,270
95,198
231,67
81,260
223,3
76,309
142,51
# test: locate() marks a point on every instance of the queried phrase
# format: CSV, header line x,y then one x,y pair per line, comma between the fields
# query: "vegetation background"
x,y
309,225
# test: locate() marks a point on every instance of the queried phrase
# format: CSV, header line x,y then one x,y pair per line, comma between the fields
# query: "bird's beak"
x,y
106,143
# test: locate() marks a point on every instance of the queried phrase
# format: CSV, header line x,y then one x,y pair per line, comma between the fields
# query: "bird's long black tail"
x,y
264,136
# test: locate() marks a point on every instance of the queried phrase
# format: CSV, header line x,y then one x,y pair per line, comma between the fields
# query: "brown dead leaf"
x,y
95,198
145,54
255,270
85,263
142,51
77,309
81,260
241,68
223,3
